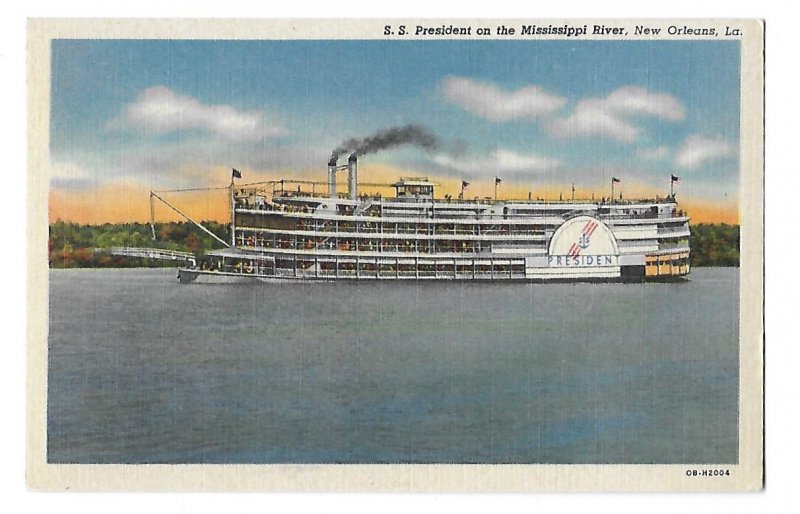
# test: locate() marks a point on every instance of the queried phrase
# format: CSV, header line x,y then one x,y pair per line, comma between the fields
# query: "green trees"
x,y
715,245
74,246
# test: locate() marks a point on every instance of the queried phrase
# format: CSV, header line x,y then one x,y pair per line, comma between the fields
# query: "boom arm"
x,y
201,227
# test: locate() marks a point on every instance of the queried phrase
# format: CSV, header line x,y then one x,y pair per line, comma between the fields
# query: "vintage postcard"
x,y
395,255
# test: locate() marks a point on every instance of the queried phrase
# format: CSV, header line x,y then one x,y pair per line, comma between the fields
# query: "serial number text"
x,y
708,472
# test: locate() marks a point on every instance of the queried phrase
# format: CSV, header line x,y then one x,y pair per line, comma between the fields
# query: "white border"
x,y
745,476
782,378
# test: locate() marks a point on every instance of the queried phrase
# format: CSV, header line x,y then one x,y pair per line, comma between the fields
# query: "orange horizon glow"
x,y
129,203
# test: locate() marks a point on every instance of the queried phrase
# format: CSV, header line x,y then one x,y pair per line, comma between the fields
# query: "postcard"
x,y
395,255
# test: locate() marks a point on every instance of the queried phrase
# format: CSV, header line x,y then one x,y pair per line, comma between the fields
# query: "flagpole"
x,y
495,190
234,173
671,187
233,213
612,190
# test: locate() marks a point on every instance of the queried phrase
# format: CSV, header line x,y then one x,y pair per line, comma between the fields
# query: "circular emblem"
x,y
583,235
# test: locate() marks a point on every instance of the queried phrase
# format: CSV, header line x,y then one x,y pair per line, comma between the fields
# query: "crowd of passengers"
x,y
236,267
260,203
364,246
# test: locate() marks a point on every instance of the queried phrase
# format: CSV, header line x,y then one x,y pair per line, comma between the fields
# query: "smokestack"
x,y
332,175
352,176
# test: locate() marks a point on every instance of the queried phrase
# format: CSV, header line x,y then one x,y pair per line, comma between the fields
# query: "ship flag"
x,y
236,173
615,180
464,185
497,180
673,179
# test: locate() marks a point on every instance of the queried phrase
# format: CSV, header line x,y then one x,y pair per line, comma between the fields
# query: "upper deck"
x,y
413,206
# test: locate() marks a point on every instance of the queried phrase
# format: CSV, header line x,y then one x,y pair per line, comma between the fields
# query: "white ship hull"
x,y
295,235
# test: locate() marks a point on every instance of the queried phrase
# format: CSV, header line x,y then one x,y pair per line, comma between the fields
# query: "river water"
x,y
144,370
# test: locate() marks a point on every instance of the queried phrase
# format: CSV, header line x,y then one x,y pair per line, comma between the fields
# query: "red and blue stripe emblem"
x,y
583,240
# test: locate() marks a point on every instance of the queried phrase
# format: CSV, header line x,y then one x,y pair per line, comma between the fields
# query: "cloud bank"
x,y
697,150
613,116
494,104
505,162
160,110
70,174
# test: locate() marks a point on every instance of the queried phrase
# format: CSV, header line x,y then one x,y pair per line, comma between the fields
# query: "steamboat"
x,y
287,231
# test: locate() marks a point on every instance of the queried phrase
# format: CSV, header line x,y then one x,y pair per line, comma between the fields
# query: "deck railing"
x,y
440,214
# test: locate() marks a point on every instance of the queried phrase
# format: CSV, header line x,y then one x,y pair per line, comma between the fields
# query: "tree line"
x,y
715,245
72,245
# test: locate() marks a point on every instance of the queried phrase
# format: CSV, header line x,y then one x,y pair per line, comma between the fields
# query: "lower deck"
x,y
265,267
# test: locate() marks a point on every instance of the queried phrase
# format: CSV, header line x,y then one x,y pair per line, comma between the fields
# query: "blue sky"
x,y
178,113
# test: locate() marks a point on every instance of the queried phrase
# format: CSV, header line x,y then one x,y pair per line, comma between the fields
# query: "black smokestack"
x,y
396,136
333,159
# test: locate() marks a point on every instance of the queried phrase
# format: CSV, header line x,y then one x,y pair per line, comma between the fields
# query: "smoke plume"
x,y
388,138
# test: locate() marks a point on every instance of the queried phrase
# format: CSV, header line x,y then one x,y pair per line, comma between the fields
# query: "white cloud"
x,y
610,117
492,103
696,150
639,101
68,174
592,118
500,161
160,110
63,170
653,154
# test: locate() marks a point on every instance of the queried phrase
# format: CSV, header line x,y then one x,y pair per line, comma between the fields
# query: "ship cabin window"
x,y
418,188
426,191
